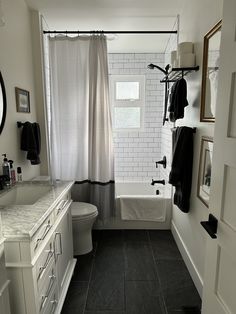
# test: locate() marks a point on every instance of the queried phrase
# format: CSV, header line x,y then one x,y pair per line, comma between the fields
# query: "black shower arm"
x,y
165,71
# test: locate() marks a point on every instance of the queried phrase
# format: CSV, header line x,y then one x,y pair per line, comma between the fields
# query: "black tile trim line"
x,y
95,182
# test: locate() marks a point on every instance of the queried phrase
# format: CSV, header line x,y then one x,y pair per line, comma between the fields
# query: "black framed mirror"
x,y
3,103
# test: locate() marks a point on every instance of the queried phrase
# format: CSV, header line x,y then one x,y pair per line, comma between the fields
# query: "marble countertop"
x,y
22,221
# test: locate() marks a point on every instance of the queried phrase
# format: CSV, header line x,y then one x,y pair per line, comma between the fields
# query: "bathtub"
x,y
138,198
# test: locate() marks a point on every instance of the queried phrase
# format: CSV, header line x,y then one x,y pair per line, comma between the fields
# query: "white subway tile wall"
x,y
137,152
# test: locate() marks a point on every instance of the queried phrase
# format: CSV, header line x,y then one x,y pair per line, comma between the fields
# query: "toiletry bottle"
x,y
6,168
19,174
12,172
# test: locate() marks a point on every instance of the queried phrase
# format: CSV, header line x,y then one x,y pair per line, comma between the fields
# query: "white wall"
x,y
196,19
16,65
137,151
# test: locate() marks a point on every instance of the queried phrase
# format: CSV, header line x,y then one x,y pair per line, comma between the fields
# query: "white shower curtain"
x,y
81,133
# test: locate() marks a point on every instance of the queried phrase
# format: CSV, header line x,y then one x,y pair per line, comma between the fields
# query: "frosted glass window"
x,y
127,91
127,117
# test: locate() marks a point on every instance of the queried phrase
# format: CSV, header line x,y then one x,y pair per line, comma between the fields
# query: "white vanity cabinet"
x,y
40,267
4,283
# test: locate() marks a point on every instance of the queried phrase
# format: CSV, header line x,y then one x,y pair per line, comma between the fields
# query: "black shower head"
x,y
151,66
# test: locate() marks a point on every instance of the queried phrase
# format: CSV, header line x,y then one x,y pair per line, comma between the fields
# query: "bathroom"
x,y
21,65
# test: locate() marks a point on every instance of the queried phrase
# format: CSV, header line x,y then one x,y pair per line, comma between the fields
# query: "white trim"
x,y
197,279
66,284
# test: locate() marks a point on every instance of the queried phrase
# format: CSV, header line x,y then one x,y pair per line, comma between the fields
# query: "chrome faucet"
x,y
158,182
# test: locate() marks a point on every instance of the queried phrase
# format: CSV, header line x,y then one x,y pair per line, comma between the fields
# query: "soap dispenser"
x,y
12,172
6,168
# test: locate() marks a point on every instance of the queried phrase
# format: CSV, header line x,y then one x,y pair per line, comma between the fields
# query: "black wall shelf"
x,y
177,73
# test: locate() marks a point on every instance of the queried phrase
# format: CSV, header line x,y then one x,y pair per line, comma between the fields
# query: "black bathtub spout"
x,y
158,182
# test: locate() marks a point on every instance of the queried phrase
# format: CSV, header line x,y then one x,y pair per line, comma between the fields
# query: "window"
x,y
127,99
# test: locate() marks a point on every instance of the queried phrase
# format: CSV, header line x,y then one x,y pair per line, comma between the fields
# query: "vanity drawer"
x,y
44,261
51,303
41,234
46,286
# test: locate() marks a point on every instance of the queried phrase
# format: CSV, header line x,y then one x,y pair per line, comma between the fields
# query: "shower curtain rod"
x,y
110,32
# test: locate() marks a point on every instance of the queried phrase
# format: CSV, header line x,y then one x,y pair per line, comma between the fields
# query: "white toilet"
x,y
83,218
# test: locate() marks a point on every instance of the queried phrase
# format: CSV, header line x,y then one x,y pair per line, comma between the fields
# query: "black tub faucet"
x,y
158,182
161,162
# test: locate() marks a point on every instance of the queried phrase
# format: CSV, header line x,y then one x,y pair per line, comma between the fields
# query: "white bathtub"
x,y
140,197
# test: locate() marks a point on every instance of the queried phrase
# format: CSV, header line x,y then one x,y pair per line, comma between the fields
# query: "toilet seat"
x,y
81,210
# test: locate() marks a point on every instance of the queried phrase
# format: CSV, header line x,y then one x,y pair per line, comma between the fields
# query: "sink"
x,y
23,194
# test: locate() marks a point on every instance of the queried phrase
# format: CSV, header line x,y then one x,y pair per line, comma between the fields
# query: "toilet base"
x,y
83,243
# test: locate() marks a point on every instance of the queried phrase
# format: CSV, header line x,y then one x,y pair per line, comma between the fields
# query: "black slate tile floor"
x,y
132,272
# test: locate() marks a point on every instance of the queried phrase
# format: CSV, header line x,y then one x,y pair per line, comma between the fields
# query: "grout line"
x,y
90,276
124,277
155,265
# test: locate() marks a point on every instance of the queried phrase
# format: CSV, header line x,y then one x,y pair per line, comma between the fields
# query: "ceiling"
x,y
114,15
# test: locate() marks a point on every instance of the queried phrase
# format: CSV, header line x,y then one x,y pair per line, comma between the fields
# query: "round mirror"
x,y
3,103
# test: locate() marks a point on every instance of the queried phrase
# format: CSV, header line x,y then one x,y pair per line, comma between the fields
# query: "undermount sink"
x,y
23,194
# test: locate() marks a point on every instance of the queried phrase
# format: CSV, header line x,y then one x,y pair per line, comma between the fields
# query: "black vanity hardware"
x,y
211,226
158,182
161,162
19,124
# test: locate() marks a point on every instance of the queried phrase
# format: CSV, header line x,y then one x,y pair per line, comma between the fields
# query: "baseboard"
x,y
197,279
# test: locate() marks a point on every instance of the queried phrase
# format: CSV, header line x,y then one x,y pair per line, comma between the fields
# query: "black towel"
x,y
31,141
181,168
178,100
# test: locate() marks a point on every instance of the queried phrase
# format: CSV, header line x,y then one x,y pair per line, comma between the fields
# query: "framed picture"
x,y
210,71
204,174
22,100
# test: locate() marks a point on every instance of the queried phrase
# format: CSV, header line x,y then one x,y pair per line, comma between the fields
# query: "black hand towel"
x,y
181,168
178,100
31,141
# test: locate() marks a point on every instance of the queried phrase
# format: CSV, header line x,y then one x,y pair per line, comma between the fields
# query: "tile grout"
x,y
89,281
155,265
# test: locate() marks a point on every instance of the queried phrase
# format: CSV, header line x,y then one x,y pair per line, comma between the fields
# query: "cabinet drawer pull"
x,y
60,241
47,228
61,206
45,297
54,304
42,268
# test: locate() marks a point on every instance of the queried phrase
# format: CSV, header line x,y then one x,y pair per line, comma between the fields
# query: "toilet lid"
x,y
82,209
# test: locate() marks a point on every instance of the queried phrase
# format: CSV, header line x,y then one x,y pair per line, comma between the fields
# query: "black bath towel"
x,y
31,141
178,100
181,168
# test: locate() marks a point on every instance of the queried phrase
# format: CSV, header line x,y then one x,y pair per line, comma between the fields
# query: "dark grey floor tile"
x,y
111,236
186,311
83,267
109,259
96,235
136,235
177,286
163,245
139,262
75,298
106,293
103,312
143,297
